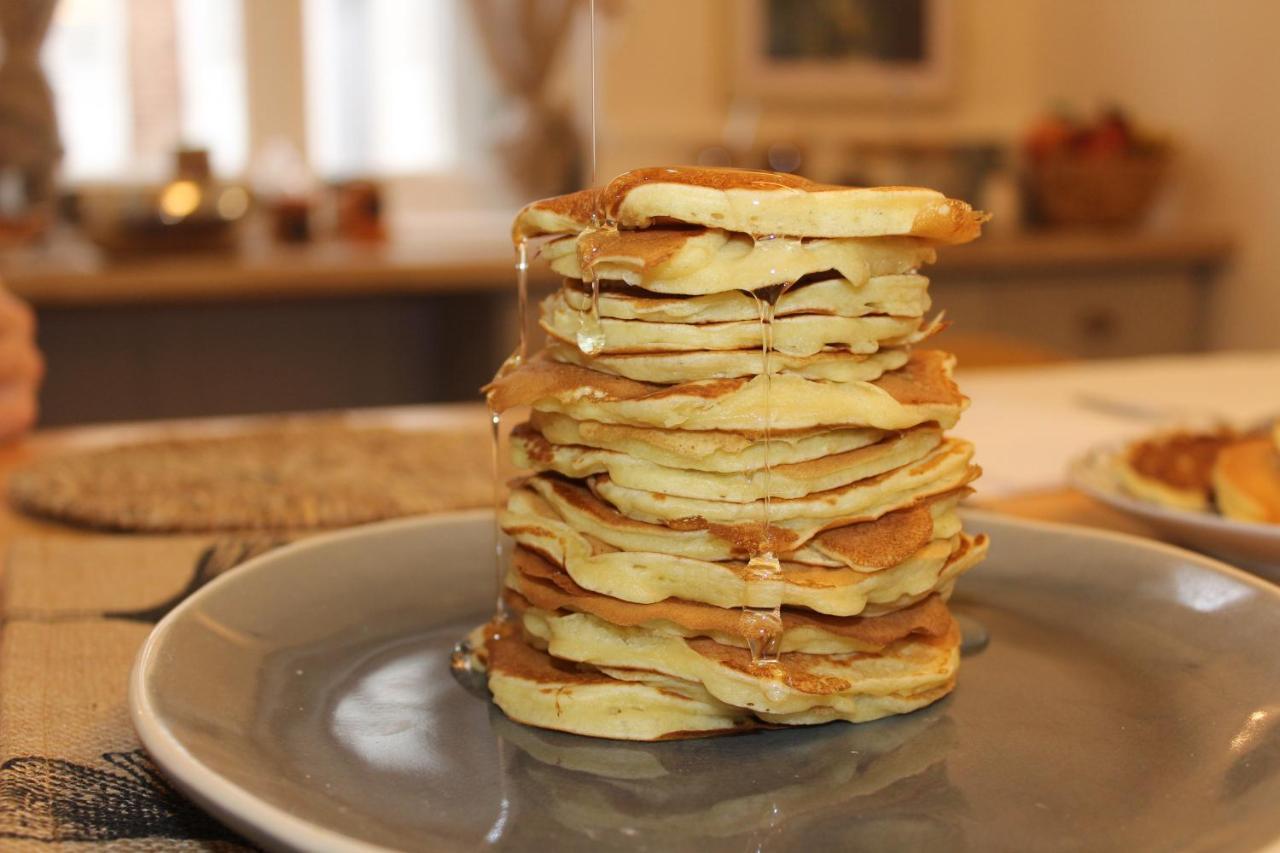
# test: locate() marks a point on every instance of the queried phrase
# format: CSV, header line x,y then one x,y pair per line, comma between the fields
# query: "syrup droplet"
x,y
760,620
499,558
468,669
522,295
591,336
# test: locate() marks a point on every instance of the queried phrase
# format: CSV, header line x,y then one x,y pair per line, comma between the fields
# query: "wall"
x,y
1204,70
1207,71
668,70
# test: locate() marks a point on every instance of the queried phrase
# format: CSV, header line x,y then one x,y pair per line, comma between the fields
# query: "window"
x,y
211,66
86,61
380,87
381,78
134,79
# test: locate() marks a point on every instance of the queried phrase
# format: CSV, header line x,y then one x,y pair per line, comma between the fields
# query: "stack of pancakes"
x,y
1238,475
742,505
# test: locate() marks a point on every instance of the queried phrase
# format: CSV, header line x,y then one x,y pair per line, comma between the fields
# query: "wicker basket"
x,y
1081,190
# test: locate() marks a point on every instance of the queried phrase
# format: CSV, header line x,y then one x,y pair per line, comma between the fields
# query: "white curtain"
x,y
535,142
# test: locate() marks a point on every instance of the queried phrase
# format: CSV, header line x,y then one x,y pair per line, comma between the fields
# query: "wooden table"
x,y
1061,505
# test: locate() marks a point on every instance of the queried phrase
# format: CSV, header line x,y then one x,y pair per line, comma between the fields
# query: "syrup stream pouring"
x,y
591,7
464,662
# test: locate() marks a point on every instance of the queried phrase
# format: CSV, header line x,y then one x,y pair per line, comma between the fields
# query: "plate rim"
x,y
248,814
1084,470
229,802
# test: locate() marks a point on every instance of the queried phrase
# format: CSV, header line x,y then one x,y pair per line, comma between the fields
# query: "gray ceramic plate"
x,y
1251,545
1128,699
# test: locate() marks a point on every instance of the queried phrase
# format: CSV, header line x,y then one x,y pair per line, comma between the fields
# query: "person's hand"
x,y
21,366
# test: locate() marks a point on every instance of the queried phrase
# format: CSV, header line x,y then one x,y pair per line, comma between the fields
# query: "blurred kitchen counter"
x,y
68,271
1086,251
331,325
1086,294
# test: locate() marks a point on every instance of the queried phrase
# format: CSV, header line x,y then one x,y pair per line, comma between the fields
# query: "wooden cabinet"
x,y
1084,296
1098,316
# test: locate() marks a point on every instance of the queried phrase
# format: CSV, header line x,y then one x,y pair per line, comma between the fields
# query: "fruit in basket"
x,y
1101,172
1051,133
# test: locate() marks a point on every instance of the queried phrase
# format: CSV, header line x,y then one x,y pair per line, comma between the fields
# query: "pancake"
x,y
542,584
694,262
950,462
889,539
708,450
868,776
799,334
799,688
753,202
687,773
1246,480
530,450
532,687
558,215
894,295
694,783
920,391
551,506
627,703
673,368
647,577
1173,469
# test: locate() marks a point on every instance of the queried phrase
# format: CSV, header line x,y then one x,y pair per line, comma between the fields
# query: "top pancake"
x,y
753,202
1173,469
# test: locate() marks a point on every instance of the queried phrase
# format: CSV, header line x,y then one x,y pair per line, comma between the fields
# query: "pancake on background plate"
x,y
1246,479
1173,469
1220,470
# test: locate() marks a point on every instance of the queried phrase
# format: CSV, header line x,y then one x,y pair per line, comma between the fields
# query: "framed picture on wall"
x,y
882,50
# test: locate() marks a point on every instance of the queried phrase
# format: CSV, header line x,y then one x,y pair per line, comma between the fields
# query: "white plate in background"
x,y
1250,545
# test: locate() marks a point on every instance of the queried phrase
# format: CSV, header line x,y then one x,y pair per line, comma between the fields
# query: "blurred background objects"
x,y
221,206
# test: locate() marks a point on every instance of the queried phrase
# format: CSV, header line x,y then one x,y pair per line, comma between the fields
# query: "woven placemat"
x,y
289,478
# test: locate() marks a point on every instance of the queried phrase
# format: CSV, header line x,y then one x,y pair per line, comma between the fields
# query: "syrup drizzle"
x,y
500,611
465,659
513,361
522,292
760,620
590,336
